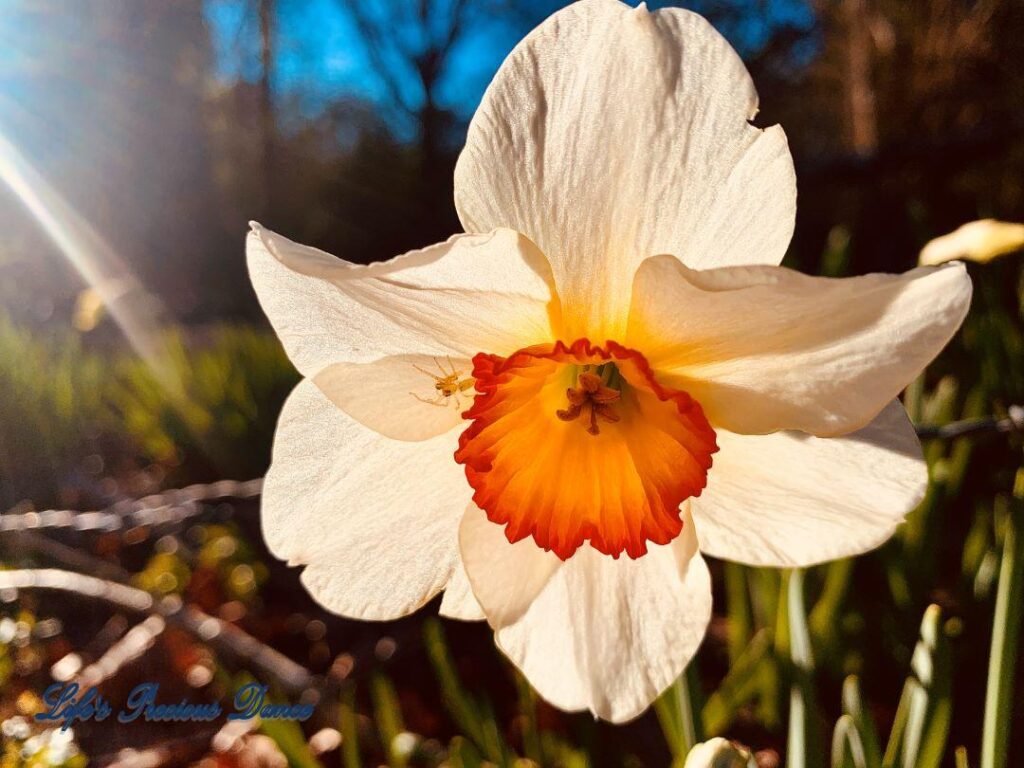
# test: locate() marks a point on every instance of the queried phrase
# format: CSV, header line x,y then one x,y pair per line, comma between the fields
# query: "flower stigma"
x,y
597,389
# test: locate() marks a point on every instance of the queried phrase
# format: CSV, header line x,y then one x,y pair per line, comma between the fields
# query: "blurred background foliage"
x,y
137,137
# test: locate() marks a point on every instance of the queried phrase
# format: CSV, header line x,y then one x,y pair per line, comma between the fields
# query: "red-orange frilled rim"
x,y
576,443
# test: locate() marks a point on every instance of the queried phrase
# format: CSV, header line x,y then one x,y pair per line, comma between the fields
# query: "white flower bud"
x,y
718,753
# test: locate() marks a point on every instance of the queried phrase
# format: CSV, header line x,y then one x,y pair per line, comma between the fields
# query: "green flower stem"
x,y
676,710
1005,635
803,747
739,610
349,729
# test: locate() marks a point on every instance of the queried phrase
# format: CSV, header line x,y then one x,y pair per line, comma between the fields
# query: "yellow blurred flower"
x,y
89,310
979,241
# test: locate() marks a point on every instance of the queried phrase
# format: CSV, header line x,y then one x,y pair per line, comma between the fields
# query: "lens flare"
x,y
136,311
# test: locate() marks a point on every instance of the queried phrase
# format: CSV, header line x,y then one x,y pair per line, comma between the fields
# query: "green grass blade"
x,y
532,745
462,754
493,743
666,707
823,619
847,748
564,755
462,709
853,705
288,736
796,737
691,701
899,727
474,720
388,715
738,609
349,727
930,701
1005,637
743,682
803,744
913,399
765,588
676,709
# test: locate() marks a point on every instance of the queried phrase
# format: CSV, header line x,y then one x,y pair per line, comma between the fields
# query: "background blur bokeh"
x,y
138,137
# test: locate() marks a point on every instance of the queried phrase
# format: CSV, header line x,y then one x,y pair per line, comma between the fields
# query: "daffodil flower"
x,y
551,417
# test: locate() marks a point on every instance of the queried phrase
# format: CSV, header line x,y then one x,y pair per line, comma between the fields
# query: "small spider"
x,y
447,385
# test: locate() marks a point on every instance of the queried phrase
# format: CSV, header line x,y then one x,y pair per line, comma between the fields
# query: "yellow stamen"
x,y
592,396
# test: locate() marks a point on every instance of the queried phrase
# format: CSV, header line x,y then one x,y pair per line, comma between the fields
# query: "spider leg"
x,y
438,401
424,370
451,365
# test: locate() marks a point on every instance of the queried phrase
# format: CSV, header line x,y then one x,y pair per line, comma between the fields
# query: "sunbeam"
x,y
136,311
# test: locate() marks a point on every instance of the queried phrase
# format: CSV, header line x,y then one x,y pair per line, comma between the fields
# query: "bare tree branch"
x,y
374,42
167,508
1014,422
225,637
134,645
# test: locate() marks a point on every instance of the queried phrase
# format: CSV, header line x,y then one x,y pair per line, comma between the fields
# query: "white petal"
x,y
473,293
609,635
790,499
458,601
505,577
396,396
767,348
611,134
374,520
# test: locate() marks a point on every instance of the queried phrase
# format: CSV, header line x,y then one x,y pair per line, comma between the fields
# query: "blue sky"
x,y
322,56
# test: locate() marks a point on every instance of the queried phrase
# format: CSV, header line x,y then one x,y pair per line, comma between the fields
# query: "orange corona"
x,y
579,442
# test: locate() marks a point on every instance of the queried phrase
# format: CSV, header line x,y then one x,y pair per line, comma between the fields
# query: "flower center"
x,y
592,397
617,483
